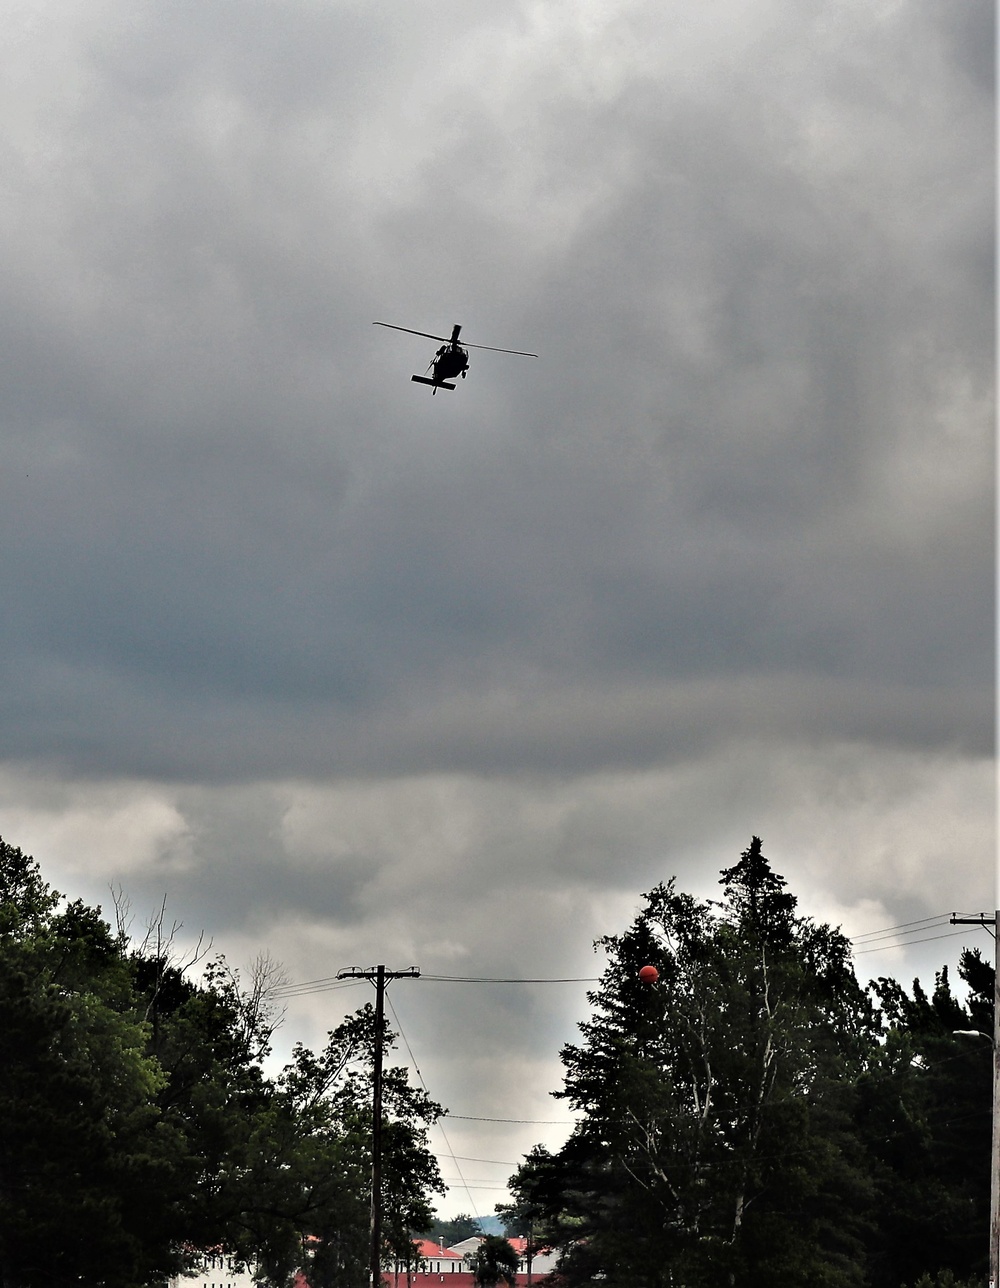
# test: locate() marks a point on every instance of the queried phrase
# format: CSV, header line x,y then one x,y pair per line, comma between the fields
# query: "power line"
x,y
444,1134
313,986
501,1162
488,979
899,934
330,984
482,1188
532,1122
884,948
923,923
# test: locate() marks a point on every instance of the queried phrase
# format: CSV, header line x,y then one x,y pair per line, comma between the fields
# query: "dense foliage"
x,y
460,1227
494,1262
137,1123
757,1119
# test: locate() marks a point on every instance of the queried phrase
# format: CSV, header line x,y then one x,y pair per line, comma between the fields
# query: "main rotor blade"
x,y
410,331
453,340
520,352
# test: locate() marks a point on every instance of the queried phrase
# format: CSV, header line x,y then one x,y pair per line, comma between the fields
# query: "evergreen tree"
x,y
924,1114
716,1141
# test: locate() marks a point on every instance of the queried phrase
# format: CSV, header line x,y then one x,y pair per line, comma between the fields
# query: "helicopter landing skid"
x,y
438,384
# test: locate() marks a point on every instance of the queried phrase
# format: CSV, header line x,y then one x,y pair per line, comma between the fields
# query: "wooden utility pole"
x,y
993,924
380,978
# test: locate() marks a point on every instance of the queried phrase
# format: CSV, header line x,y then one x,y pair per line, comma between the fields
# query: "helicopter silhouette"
x,y
451,359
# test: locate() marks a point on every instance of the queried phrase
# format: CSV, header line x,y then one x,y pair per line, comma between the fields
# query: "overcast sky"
x,y
354,673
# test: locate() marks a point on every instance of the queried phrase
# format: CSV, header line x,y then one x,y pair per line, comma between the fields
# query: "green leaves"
x,y
137,1124
755,1118
924,1109
447,1233
715,1143
81,1134
494,1262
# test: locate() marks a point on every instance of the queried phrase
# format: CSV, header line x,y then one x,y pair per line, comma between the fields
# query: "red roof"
x,y
428,1248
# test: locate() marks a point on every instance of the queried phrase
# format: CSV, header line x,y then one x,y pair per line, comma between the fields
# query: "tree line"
x,y
754,1118
757,1119
138,1126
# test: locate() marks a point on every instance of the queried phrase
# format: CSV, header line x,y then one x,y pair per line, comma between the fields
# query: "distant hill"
x,y
463,1226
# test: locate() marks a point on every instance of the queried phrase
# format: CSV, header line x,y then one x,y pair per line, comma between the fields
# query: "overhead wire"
x,y
903,925
413,1061
329,985
512,979
532,1122
500,1162
861,952
898,936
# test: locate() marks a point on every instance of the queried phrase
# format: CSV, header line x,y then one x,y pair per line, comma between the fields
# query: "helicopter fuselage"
x,y
449,361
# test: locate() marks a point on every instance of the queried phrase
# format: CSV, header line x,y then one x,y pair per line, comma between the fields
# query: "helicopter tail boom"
x,y
426,380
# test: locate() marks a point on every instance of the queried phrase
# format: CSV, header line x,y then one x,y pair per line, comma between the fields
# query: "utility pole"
x,y
380,978
993,924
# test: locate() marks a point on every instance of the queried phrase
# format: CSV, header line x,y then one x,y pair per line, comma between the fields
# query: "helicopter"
x,y
451,359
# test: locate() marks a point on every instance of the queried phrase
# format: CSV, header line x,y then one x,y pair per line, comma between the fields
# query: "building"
x,y
214,1269
448,1268
436,1260
543,1260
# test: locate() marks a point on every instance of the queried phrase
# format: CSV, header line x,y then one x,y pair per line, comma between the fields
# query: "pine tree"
x,y
924,1115
716,1142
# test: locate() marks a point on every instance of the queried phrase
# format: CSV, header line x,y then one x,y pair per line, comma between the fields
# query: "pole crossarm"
x,y
372,972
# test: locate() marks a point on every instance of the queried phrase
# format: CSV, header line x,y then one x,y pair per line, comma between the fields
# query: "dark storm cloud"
x,y
353,673
745,493
766,345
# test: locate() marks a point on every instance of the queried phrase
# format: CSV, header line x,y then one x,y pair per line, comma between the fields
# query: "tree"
x,y
136,1121
524,1218
924,1114
494,1262
460,1227
328,1102
716,1139
83,1147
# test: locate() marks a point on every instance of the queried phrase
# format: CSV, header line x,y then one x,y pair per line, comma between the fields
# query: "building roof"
x,y
468,1245
428,1248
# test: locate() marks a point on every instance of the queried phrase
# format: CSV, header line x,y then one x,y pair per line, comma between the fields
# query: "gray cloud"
x,y
353,671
